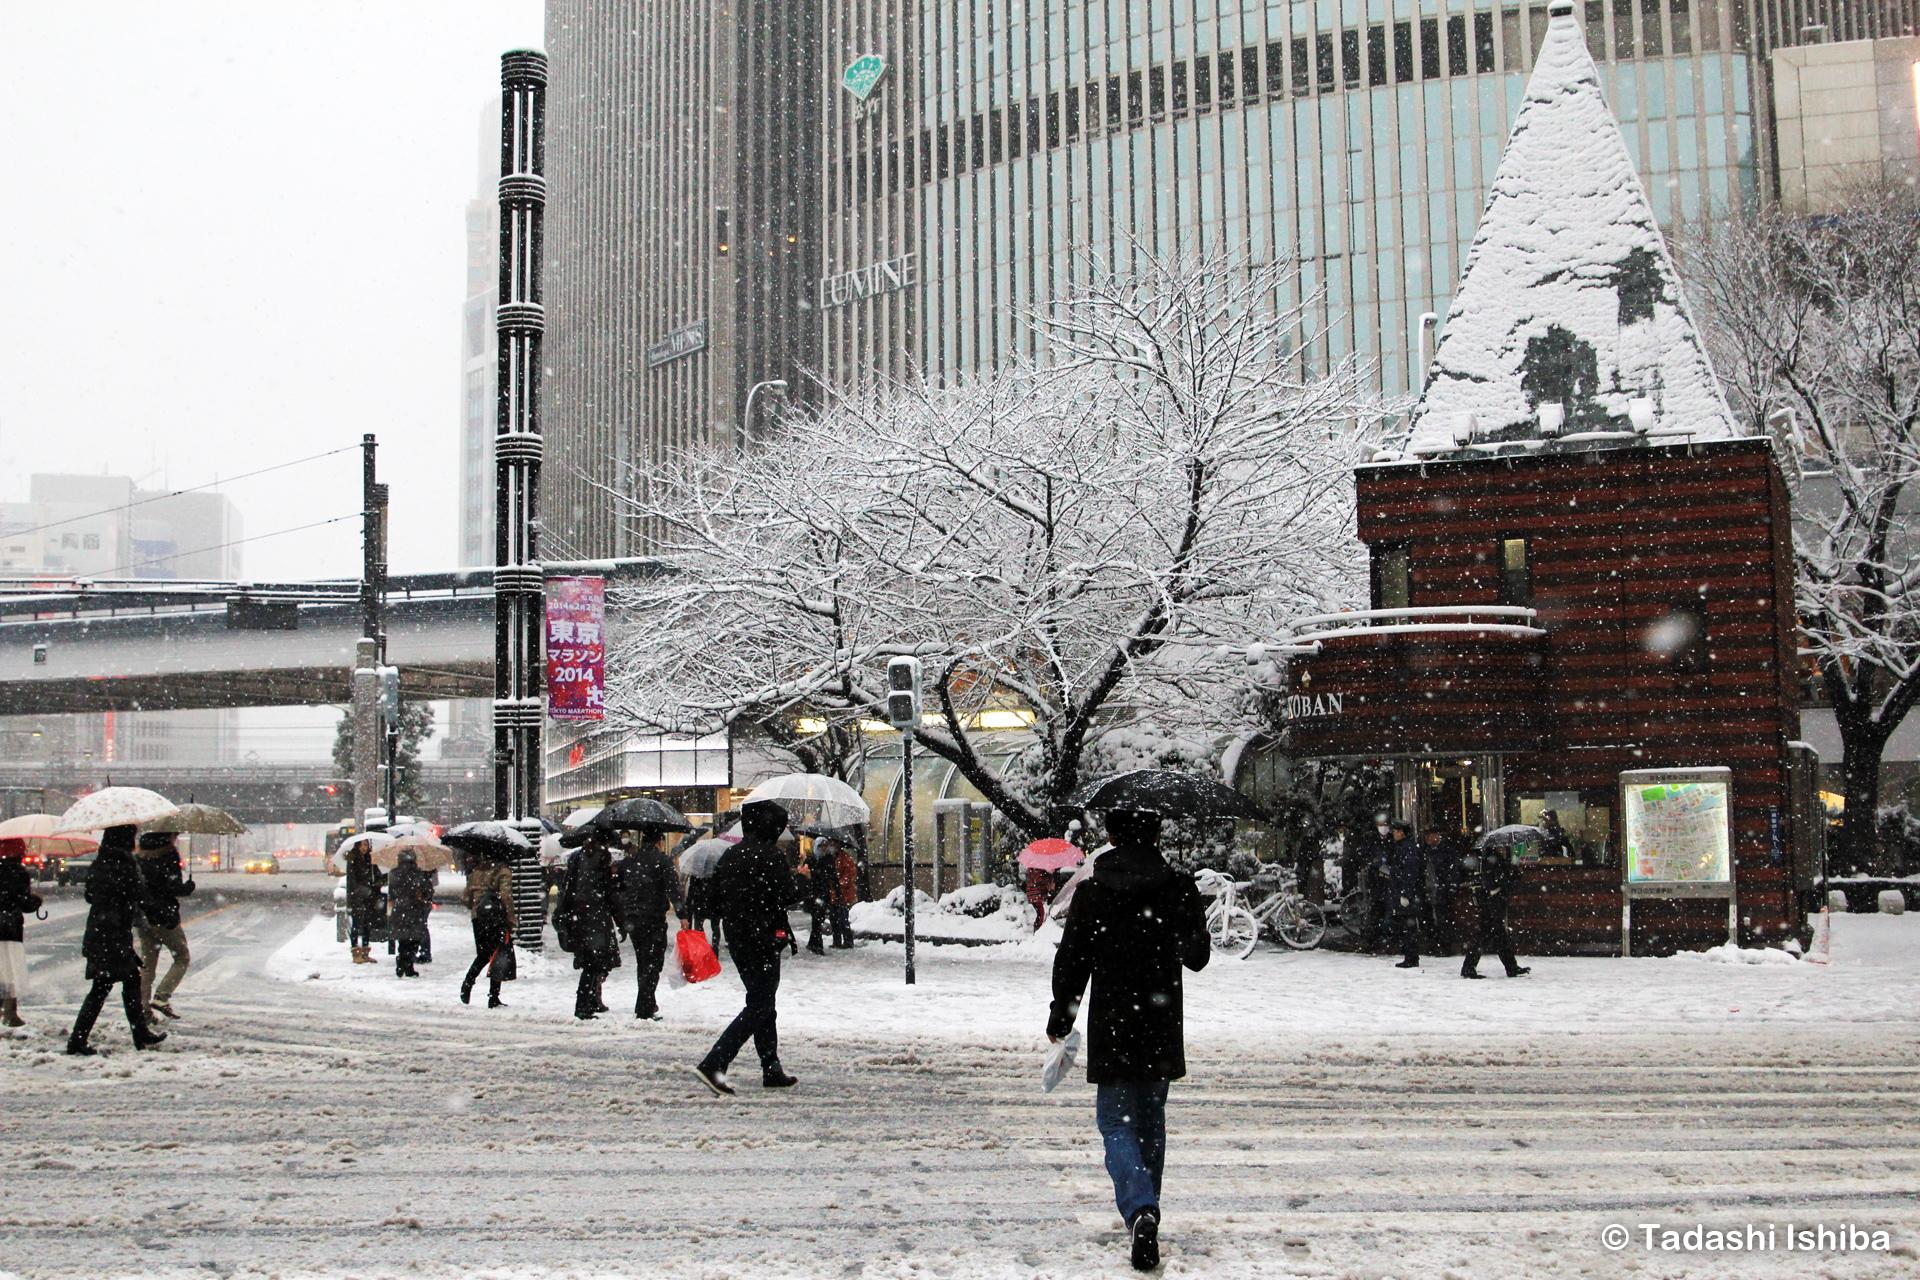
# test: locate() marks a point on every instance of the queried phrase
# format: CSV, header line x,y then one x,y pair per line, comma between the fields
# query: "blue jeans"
x,y
1133,1123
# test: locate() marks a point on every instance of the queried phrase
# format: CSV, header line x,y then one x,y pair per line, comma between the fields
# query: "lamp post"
x,y
903,711
746,418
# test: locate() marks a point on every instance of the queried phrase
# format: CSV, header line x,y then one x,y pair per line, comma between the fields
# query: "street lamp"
x,y
746,418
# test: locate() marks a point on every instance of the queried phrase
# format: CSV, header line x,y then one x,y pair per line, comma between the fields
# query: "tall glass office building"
x,y
1008,138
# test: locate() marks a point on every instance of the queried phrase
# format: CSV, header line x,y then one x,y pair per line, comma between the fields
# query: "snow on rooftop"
x,y
1569,296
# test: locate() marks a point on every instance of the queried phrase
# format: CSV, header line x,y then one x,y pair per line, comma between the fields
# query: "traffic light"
x,y
390,694
903,692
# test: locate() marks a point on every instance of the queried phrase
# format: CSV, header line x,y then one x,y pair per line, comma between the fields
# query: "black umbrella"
x,y
640,814
488,839
1511,837
1167,793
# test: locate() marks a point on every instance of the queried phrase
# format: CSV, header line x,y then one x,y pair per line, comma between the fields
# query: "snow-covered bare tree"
x,y
1814,324
1062,543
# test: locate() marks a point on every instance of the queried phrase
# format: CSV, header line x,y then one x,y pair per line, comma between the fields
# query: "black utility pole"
x,y
371,650
519,585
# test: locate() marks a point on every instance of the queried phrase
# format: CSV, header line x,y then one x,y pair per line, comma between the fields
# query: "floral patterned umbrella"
x,y
115,807
199,819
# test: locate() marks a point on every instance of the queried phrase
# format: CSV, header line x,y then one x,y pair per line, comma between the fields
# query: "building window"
x,y
1225,80
1350,57
1622,29
1014,137
1456,45
1157,92
1301,81
1402,52
1113,102
1483,42
1596,31
945,170
1392,573
1276,69
977,140
1516,572
88,542
1250,74
893,165
1073,113
1578,826
1376,56
996,137
1323,70
1033,124
1202,83
1053,117
1430,48
1136,99
1682,33
1180,88
1650,28
926,155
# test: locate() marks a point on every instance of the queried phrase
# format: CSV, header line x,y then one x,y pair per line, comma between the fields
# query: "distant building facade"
x,y
682,249
1845,116
478,352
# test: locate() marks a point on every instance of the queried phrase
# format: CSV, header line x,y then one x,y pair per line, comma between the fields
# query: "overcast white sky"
x,y
234,237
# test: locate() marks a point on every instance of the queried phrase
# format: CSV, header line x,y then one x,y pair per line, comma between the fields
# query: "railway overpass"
x,y
255,793
74,647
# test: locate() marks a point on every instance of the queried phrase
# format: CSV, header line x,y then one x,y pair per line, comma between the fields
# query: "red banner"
x,y
576,648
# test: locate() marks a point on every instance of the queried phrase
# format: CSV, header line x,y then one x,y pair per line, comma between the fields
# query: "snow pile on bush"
x,y
983,912
1727,953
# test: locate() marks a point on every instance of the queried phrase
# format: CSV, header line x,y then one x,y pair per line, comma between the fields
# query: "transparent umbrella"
x,y
813,798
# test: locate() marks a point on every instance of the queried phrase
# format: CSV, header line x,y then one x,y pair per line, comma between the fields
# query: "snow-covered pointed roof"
x,y
1569,295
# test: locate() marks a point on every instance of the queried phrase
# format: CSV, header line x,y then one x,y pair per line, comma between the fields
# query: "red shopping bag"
x,y
697,961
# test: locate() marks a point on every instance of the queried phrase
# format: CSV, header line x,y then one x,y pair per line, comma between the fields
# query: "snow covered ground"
x,y
1341,1121
1001,992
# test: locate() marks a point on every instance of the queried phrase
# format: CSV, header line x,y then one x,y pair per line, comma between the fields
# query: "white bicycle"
x,y
1231,927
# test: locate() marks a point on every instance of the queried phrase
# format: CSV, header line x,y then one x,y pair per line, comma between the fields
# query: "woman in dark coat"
x,y
647,884
115,890
17,898
489,895
585,918
409,899
1406,890
1134,923
363,901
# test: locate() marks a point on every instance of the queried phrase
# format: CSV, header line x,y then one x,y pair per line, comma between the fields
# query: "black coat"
x,y
1496,876
363,881
17,898
160,870
647,882
585,917
751,888
114,894
1406,875
1443,864
1131,927
409,901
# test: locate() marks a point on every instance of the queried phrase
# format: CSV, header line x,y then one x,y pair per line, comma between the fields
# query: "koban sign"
x,y
1303,706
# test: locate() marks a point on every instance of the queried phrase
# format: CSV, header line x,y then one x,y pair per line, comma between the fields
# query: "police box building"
x,y
1582,578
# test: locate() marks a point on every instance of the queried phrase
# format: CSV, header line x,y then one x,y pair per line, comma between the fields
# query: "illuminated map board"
x,y
1676,826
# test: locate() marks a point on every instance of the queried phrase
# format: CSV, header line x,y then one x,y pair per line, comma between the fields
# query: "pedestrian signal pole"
x,y
903,710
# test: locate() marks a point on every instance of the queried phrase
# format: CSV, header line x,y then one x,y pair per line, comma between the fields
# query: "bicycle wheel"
x,y
1234,932
1300,924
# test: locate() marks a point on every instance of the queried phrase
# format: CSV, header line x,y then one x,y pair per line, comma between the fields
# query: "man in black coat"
x,y
648,883
1131,927
1365,870
585,918
114,894
159,863
751,890
1406,890
1493,880
1444,851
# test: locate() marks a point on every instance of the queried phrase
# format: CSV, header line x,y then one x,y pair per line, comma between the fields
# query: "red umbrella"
x,y
1051,855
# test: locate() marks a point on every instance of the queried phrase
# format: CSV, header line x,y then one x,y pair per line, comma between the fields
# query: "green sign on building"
x,y
862,74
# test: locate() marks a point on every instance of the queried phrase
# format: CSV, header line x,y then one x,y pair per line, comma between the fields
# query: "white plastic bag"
x,y
1059,1061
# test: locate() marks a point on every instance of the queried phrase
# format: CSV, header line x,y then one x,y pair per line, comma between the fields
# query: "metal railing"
x,y
1308,634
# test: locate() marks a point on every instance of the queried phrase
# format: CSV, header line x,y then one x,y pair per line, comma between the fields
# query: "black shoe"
x,y
1472,973
646,1017
495,1002
149,1040
714,1080
1146,1239
777,1079
816,948
587,1017
600,1008
466,993
1408,964
81,1049
1521,972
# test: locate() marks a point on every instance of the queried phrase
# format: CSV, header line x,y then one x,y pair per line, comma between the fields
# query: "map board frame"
x,y
1637,779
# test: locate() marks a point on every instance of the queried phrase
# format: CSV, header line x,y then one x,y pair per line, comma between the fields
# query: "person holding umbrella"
x,y
17,898
1133,925
160,872
409,901
364,884
585,917
115,891
647,883
1043,860
752,889
1493,879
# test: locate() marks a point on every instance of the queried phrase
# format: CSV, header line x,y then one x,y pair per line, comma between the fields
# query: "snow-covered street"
x,y
1341,1119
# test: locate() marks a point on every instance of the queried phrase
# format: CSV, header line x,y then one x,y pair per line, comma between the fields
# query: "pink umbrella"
x,y
1051,855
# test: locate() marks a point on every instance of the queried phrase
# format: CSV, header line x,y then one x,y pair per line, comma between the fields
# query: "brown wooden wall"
x,y
1618,538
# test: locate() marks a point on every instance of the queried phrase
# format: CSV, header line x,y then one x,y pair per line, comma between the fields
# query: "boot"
x,y
78,1047
493,996
10,1013
147,1038
466,991
361,956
